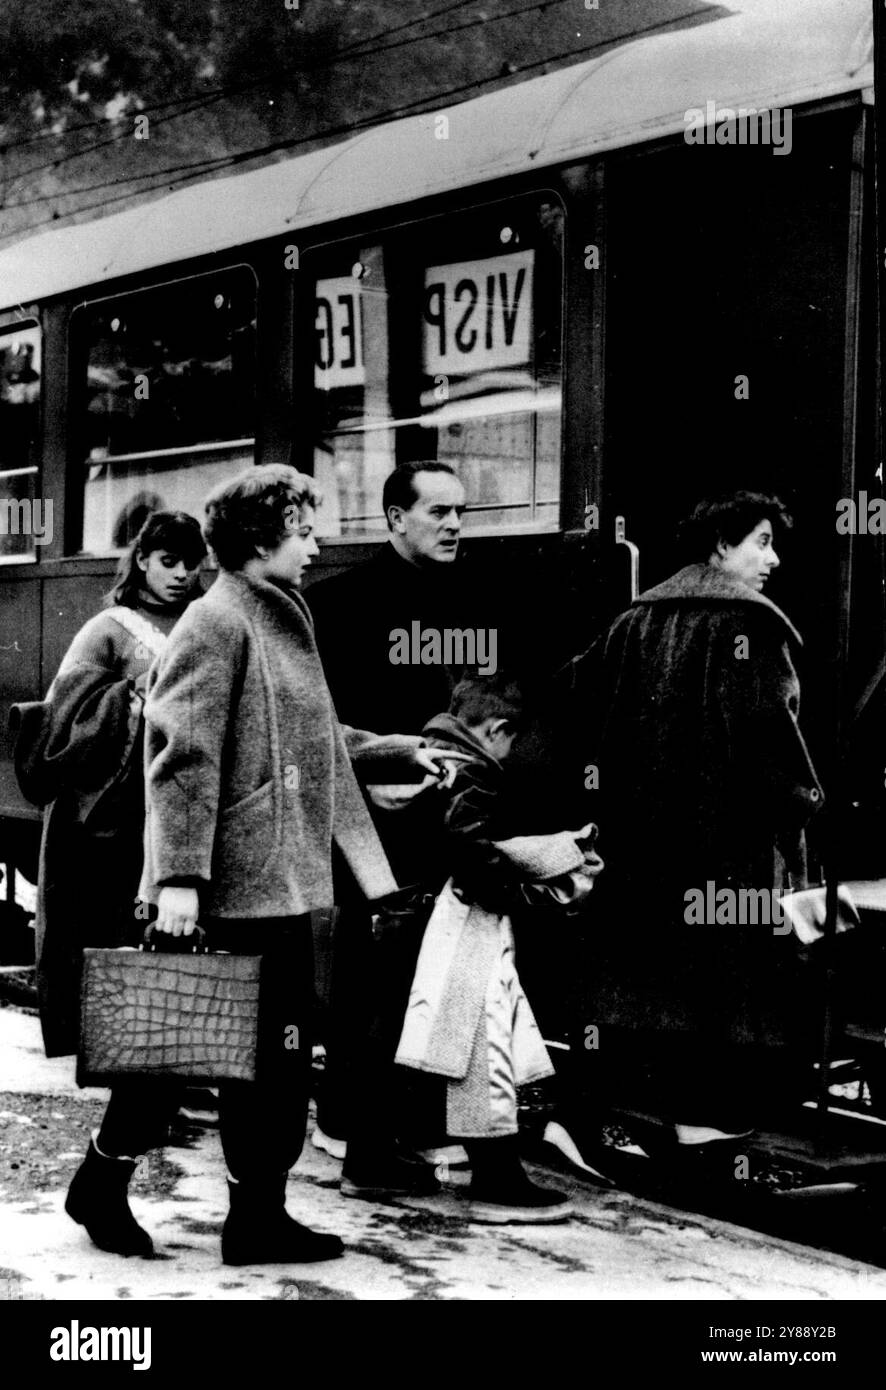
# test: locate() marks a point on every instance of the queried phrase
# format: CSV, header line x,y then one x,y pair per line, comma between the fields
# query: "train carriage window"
x,y
167,408
443,340
25,520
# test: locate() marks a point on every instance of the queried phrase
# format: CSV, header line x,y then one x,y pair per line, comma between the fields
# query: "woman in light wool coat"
x,y
249,788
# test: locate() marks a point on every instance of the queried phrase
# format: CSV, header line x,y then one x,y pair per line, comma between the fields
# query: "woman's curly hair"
x,y
260,507
730,518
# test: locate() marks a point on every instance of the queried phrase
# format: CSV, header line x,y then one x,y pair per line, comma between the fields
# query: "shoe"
x,y
519,1201
565,1148
259,1229
389,1175
97,1199
336,1148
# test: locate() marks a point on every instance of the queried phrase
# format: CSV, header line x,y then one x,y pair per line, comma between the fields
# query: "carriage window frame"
x,y
80,343
444,238
12,324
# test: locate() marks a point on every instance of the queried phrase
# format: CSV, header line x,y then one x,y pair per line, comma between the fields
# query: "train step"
x,y
836,1148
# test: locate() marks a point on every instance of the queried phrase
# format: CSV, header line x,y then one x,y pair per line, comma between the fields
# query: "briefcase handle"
x,y
198,936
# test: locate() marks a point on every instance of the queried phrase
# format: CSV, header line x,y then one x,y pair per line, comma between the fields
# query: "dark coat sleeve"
x,y
93,717
78,741
760,698
481,866
80,737
472,823
340,615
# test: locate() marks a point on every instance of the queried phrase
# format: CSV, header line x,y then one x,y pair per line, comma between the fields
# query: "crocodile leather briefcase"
x,y
165,1014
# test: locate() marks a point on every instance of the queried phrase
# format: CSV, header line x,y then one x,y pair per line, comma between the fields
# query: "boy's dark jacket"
x,y
472,818
477,820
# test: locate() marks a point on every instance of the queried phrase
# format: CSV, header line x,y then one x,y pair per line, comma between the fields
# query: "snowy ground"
x,y
616,1246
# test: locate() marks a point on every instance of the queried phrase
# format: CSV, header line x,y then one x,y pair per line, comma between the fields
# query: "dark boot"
x,y
97,1200
259,1230
501,1190
377,1175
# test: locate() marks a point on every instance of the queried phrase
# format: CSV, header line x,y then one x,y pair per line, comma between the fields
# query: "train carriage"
x,y
600,294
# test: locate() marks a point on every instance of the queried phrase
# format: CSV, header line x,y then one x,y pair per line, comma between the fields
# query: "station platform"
x,y
616,1246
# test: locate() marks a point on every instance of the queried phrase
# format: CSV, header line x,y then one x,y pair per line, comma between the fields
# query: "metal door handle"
x,y
621,539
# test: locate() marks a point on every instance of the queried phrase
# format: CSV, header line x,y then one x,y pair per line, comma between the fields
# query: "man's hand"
x,y
177,911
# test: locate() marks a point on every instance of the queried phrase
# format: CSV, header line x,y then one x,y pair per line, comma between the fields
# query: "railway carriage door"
x,y
740,354
726,349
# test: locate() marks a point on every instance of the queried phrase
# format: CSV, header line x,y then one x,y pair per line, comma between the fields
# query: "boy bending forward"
x,y
468,1018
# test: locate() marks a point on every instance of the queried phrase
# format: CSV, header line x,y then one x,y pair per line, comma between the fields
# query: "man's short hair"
x,y
399,489
260,507
477,698
730,518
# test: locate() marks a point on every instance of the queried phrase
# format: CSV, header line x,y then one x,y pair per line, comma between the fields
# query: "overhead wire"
x,y
6,146
202,167
204,100
56,163
339,55
187,171
349,52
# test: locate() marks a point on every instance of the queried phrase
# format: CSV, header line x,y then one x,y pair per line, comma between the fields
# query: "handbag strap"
x,y
138,626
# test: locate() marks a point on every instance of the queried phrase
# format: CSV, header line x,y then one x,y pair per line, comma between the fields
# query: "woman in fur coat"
x,y
706,787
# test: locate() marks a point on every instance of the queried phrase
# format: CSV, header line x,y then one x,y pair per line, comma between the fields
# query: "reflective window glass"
x,y
168,406
25,519
443,341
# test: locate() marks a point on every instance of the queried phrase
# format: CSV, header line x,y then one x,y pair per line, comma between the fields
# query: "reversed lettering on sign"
x,y
338,359
478,314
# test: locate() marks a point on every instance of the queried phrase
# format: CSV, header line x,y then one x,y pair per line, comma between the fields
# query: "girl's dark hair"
x,y
176,532
730,518
259,507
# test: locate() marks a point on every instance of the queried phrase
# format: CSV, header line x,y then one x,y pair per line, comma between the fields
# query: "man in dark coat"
x,y
416,585
706,785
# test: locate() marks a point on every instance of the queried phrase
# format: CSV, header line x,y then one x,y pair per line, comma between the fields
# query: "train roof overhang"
x,y
761,54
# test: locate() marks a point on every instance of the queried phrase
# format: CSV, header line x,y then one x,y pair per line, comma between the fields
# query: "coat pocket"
x,y
248,836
